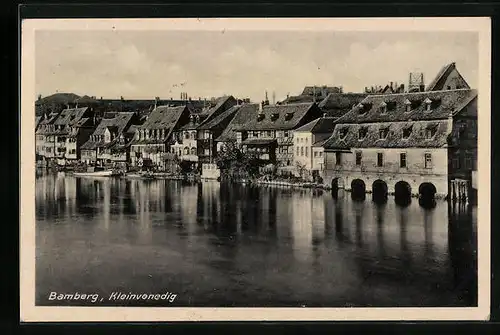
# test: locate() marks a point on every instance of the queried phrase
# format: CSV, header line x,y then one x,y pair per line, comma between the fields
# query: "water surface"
x,y
229,245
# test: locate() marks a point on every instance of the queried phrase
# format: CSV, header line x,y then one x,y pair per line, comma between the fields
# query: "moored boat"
x,y
105,173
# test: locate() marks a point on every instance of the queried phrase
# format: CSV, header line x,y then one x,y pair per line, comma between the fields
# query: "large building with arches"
x,y
420,143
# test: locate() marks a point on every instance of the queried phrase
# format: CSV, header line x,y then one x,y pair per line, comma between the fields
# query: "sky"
x,y
146,64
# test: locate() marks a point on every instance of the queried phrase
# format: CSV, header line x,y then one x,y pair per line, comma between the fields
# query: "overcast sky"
x,y
142,64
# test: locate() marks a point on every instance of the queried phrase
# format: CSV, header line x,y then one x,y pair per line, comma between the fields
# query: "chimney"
x,y
391,83
260,107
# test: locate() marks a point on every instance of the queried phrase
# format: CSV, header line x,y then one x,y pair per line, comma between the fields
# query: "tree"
x,y
301,168
235,163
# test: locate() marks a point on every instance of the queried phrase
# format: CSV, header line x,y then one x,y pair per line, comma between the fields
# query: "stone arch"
x,y
379,190
402,193
427,191
358,189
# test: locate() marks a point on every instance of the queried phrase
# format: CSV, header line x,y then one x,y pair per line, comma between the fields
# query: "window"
x,y
358,158
186,151
408,105
428,160
285,134
402,160
315,154
307,151
469,162
407,132
380,159
338,158
362,133
321,154
307,140
193,151
382,108
343,133
302,151
298,151
207,152
284,149
430,132
383,133
428,104
186,135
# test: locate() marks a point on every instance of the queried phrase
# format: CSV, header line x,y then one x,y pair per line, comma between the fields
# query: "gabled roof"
x,y
120,122
221,105
163,117
337,104
245,113
321,125
438,81
215,121
278,117
70,116
443,104
394,139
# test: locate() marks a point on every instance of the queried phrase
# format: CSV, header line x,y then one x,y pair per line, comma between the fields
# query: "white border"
x,y
31,313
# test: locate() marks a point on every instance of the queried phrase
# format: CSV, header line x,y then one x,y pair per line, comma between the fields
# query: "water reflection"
x,y
231,245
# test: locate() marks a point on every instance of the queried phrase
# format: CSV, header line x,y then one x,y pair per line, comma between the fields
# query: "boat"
x,y
105,173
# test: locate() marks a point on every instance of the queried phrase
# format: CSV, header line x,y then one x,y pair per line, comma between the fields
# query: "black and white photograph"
x,y
188,168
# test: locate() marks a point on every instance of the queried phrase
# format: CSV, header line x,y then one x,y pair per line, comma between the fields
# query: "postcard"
x,y
255,169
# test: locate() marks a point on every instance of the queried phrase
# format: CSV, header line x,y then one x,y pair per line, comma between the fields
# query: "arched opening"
x,y
358,189
402,193
379,191
335,188
427,192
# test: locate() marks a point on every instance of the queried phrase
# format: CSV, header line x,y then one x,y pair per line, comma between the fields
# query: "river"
x,y
214,244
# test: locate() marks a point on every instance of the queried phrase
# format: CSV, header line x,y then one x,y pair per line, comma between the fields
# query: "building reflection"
x,y
462,246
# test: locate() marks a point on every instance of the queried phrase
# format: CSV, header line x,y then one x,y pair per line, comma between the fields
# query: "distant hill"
x,y
57,98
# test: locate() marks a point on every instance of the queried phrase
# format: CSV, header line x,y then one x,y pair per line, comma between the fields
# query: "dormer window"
x,y
361,109
383,132
343,133
362,133
274,116
260,117
430,132
407,105
382,108
407,132
288,116
428,104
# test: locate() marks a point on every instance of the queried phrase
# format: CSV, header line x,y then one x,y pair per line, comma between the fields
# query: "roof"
x,y
394,139
120,122
245,113
299,99
278,117
163,117
311,90
320,143
259,141
215,121
81,122
438,81
70,116
337,104
320,125
443,103
219,107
